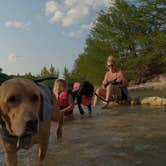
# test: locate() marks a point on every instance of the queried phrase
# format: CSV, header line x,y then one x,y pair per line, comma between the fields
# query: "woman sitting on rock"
x,y
114,85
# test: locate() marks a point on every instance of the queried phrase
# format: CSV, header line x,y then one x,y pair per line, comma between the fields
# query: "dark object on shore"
x,y
83,95
4,77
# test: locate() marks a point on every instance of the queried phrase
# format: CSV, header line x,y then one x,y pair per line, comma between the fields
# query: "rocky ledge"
x,y
158,83
151,101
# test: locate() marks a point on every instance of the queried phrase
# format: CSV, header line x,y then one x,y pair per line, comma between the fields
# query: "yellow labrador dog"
x,y
25,116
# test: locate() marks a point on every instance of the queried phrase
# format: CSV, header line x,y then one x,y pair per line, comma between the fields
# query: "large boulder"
x,y
151,101
154,101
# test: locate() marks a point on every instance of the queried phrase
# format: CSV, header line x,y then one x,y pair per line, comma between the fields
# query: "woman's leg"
x,y
114,92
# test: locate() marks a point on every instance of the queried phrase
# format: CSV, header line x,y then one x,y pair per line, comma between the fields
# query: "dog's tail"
x,y
44,79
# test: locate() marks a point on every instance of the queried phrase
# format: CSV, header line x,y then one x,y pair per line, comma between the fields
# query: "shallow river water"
x,y
121,136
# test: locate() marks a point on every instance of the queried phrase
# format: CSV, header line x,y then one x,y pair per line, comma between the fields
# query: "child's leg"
x,y
60,125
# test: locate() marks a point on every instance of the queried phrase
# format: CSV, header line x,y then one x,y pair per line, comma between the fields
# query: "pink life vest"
x,y
86,101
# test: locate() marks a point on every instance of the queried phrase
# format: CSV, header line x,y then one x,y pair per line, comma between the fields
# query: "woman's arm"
x,y
123,79
105,80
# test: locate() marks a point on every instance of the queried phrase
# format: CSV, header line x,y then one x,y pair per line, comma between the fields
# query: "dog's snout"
x,y
31,125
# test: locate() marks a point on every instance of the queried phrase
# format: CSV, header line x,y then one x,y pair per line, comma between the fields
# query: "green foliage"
x,y
3,77
133,34
45,72
50,72
28,76
68,76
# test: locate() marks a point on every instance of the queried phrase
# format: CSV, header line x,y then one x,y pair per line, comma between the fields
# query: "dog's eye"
x,y
34,98
12,99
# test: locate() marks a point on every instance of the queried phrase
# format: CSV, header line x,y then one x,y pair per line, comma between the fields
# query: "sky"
x,y
38,33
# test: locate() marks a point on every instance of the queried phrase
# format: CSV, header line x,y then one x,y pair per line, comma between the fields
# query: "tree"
x,y
50,72
67,75
133,34
53,71
28,76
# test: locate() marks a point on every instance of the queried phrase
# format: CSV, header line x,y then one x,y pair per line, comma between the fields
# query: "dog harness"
x,y
47,102
43,115
86,101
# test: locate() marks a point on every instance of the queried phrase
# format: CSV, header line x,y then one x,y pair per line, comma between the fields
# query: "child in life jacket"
x,y
63,97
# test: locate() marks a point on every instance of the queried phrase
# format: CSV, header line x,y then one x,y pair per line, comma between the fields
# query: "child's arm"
x,y
71,105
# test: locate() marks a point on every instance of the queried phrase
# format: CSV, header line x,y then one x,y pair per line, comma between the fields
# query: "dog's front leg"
x,y
80,109
10,154
90,109
43,142
79,105
42,150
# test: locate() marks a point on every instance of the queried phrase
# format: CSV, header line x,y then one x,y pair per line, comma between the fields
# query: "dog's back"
x,y
86,88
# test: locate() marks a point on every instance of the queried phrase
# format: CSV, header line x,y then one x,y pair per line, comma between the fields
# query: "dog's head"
x,y
20,104
86,89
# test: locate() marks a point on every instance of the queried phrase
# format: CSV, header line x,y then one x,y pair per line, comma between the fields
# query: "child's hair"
x,y
61,82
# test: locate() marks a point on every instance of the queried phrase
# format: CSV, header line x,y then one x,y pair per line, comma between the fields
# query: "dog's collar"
x,y
19,141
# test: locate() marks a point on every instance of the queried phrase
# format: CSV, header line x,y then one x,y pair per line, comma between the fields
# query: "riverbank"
x,y
157,83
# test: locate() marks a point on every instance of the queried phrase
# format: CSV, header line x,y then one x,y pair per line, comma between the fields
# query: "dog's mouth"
x,y
31,126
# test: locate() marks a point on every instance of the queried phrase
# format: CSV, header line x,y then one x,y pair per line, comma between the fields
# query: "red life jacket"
x,y
86,101
63,101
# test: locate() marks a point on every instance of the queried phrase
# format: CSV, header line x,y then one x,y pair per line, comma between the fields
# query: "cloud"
x,y
57,16
70,2
70,12
75,15
12,58
83,28
17,24
51,7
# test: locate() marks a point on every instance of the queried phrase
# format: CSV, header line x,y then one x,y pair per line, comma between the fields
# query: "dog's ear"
x,y
41,107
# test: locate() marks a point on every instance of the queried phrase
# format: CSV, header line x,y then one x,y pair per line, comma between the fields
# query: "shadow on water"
x,y
122,136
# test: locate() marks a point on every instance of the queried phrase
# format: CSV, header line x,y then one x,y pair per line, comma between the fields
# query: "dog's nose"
x,y
31,125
